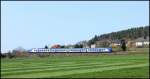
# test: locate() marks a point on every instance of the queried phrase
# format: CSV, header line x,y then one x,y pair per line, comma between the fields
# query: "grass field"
x,y
98,66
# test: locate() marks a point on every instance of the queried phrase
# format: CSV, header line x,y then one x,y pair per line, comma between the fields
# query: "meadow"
x,y
129,65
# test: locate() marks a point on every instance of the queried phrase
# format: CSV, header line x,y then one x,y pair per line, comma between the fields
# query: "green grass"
x,y
99,66
118,73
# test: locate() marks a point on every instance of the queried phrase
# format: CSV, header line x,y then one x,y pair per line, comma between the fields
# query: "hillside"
x,y
131,34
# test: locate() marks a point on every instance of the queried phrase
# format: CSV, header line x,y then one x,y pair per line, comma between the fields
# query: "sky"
x,y
34,24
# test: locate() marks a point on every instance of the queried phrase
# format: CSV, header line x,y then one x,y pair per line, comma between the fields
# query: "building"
x,y
130,43
55,46
69,46
142,42
115,43
103,43
93,45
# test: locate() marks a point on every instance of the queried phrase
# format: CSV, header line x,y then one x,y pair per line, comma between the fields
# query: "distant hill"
x,y
131,34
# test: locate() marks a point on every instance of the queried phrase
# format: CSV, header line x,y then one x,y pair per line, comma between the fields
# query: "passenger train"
x,y
69,50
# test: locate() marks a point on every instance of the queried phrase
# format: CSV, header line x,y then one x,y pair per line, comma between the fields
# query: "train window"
x,y
44,50
39,50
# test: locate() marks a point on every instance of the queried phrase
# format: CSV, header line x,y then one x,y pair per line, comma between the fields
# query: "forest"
x,y
129,34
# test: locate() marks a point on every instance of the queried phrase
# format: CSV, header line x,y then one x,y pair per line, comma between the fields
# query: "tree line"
x,y
18,52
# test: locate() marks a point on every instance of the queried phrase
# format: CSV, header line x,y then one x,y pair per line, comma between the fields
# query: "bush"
x,y
10,55
123,45
3,55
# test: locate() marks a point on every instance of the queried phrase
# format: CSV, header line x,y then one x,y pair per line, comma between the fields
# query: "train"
x,y
71,50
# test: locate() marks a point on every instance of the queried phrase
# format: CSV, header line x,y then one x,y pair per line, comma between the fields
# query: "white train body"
x,y
67,50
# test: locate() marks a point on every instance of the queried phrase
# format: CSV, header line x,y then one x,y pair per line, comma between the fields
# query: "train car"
x,y
69,50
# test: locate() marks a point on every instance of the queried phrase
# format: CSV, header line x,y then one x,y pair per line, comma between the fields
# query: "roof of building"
x,y
116,41
141,39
